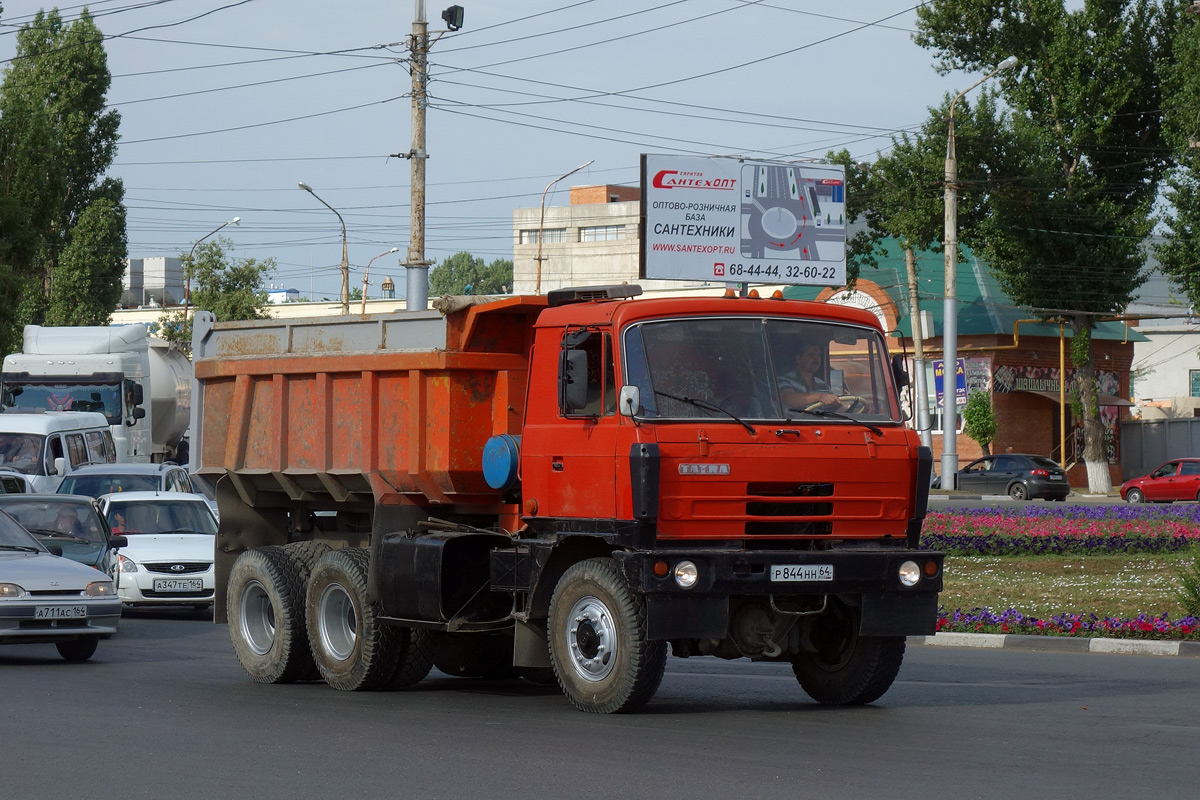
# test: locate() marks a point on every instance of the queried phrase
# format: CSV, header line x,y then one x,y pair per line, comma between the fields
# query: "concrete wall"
x,y
1162,367
573,262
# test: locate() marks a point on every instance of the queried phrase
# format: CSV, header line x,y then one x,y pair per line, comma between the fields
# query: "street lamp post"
x,y
950,307
187,289
542,223
345,262
367,272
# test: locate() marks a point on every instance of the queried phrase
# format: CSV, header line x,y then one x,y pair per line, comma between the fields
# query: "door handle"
x,y
556,464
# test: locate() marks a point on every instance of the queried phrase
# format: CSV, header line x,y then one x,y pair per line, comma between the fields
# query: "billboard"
x,y
743,221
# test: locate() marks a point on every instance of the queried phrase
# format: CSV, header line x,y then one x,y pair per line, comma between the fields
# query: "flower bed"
x,y
984,620
1055,529
1058,530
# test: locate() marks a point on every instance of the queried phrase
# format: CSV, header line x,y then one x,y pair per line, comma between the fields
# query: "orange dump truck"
x,y
565,488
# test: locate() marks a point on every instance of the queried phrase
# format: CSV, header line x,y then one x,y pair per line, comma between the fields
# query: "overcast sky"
x,y
227,104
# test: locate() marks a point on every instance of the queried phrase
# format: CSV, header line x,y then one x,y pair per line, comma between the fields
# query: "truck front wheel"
x,y
847,669
351,648
265,599
598,645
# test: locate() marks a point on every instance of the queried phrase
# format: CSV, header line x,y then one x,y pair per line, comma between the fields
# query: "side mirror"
x,y
60,467
899,373
55,550
630,401
117,542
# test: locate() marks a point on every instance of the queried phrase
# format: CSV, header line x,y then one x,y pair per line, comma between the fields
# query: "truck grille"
x,y
790,500
176,568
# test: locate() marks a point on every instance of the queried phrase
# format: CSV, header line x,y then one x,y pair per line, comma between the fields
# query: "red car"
x,y
1174,480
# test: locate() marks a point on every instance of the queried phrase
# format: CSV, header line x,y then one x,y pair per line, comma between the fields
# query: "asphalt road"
x,y
165,711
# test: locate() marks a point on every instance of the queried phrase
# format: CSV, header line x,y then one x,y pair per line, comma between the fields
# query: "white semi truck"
x,y
142,385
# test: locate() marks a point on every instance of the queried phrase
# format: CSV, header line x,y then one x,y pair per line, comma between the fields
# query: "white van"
x,y
45,446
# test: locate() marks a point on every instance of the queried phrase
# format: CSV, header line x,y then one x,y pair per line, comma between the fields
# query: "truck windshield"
x,y
759,369
31,396
21,452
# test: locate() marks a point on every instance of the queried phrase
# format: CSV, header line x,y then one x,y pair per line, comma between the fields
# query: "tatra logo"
x,y
674,179
703,469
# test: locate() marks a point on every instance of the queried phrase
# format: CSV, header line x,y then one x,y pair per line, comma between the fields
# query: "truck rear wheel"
x,y
265,601
351,648
847,669
416,658
598,645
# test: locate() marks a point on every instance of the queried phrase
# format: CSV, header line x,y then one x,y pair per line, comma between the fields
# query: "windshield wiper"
x,y
707,406
22,547
818,412
49,534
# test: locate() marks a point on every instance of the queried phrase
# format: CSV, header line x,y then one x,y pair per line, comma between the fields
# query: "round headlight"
x,y
686,574
910,573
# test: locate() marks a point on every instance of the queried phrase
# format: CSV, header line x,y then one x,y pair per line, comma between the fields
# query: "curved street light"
x,y
187,289
368,272
542,223
345,262
950,307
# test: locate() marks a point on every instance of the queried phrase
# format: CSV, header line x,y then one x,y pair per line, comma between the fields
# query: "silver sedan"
x,y
47,598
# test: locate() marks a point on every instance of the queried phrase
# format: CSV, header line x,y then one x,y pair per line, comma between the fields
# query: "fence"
x,y
1147,443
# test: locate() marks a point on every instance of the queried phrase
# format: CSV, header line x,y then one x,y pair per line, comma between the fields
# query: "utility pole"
x,y
417,293
950,304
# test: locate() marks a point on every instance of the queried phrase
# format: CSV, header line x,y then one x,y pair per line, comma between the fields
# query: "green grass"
x,y
1122,586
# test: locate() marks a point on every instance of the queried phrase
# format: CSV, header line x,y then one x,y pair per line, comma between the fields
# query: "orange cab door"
x,y
570,437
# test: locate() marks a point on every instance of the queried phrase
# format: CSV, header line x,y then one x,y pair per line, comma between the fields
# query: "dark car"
x,y
1019,475
70,522
1174,480
98,479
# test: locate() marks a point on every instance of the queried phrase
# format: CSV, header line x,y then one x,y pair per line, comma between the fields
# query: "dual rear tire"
x,y
299,612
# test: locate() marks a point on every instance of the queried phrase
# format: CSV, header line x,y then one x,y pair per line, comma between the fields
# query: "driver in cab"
x,y
803,386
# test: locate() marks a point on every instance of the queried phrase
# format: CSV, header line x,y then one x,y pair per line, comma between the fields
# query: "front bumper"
x,y
19,625
137,589
870,576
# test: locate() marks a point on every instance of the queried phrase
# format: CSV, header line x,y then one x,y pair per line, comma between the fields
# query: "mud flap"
x,y
896,614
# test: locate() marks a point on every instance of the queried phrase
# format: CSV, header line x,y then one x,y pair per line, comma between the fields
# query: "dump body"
x,y
104,369
386,409
520,483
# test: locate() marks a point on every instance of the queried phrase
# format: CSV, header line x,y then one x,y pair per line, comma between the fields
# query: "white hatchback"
x,y
169,558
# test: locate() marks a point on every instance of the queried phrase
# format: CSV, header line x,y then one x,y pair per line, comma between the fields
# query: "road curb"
x,y
1060,644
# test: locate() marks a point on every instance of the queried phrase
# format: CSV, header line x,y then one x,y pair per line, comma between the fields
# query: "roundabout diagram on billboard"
x,y
793,213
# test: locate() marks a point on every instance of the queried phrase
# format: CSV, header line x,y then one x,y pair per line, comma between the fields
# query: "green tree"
x,y
87,283
1069,207
979,420
1179,254
229,288
57,139
461,270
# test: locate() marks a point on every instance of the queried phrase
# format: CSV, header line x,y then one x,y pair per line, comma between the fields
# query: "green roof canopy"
x,y
983,307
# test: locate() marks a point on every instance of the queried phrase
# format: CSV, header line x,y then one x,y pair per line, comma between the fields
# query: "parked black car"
x,y
1019,475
